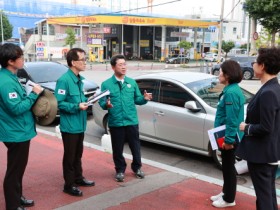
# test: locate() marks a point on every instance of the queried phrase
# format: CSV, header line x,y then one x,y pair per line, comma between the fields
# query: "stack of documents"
x,y
217,137
96,97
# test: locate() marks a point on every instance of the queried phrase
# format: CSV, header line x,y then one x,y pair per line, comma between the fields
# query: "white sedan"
x,y
181,112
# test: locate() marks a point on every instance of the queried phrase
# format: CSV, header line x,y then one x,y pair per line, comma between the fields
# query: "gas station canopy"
x,y
131,20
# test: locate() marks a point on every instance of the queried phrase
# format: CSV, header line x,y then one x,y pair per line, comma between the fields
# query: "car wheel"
x,y
105,124
247,75
216,72
187,60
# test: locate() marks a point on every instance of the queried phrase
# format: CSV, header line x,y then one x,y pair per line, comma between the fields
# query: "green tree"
x,y
70,39
7,27
267,13
186,45
227,46
264,39
244,46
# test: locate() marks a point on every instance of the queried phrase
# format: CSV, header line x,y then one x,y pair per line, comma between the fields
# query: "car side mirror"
x,y
22,80
191,105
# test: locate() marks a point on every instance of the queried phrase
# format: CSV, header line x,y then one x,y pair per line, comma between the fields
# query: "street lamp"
x,y
221,31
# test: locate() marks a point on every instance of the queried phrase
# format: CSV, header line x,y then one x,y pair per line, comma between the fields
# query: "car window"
x,y
243,59
210,89
150,86
49,72
173,95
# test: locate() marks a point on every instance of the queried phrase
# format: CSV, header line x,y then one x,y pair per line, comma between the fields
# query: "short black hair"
x,y
232,71
270,58
115,58
8,52
72,55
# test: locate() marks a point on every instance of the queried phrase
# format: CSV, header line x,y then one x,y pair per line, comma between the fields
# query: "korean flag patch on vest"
x,y
12,95
61,92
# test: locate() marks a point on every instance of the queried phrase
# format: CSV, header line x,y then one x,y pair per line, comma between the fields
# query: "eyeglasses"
x,y
82,59
121,64
252,64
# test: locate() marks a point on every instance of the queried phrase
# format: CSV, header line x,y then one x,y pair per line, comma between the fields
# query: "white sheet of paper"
x,y
29,86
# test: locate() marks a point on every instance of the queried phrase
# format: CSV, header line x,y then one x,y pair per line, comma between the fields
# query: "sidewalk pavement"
x,y
164,187
146,65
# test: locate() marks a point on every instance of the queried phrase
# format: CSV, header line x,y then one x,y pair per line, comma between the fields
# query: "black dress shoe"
x,y
85,183
21,208
73,191
25,202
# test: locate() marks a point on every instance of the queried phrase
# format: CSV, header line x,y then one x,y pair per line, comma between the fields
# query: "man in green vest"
x,y
73,121
17,124
123,119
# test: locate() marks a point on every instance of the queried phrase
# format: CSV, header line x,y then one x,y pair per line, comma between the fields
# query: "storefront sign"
x,y
95,39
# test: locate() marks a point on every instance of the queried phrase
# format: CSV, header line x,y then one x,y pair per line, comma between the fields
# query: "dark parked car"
x,y
47,73
245,64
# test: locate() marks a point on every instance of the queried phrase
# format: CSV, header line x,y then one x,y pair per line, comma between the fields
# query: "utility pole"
x,y
2,28
221,31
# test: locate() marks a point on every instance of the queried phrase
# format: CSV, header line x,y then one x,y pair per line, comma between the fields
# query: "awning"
x,y
131,20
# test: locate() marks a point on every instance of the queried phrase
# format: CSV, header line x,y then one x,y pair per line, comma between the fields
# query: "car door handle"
x,y
160,113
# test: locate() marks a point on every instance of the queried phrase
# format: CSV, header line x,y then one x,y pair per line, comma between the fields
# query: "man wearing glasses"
x,y
123,119
73,120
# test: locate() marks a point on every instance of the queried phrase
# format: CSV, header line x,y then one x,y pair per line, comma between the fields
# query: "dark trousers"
x,y
263,178
17,158
118,137
72,158
229,175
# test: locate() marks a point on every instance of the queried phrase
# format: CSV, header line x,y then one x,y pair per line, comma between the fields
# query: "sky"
x,y
209,8
179,8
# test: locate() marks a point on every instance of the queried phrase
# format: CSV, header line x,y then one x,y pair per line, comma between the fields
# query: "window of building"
x,y
77,31
224,29
234,30
114,30
51,29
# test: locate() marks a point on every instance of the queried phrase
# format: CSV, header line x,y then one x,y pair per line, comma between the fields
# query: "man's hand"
x,y
242,126
147,96
37,89
108,103
227,146
83,106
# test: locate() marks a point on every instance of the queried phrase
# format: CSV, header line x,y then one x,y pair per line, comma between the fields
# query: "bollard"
x,y
152,65
106,66
138,66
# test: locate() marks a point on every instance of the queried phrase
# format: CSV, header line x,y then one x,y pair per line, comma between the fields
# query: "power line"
x,y
138,8
233,9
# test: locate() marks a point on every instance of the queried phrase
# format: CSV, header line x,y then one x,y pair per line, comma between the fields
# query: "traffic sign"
x,y
40,49
255,35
